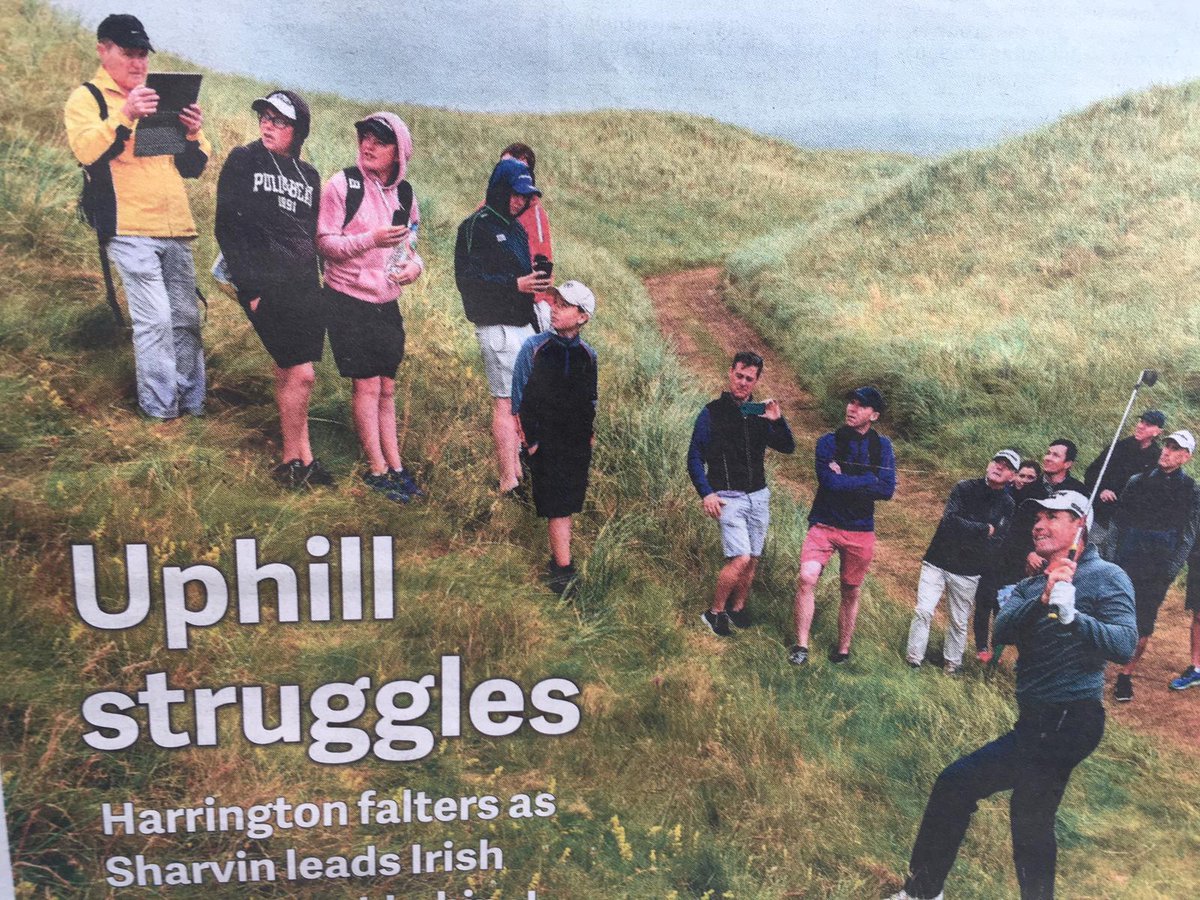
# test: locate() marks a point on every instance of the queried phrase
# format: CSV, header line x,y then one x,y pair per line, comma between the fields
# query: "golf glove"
x,y
1062,598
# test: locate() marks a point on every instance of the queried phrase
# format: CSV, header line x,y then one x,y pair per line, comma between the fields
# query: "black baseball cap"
x,y
124,30
1154,417
868,395
377,127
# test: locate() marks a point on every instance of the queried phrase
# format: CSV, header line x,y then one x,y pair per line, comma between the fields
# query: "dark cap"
x,y
868,395
124,30
375,126
1154,417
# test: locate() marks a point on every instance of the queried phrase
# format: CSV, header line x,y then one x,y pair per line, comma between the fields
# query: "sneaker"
x,y
316,473
913,664
384,485
1189,678
718,623
290,474
1123,692
837,657
798,655
952,669
561,579
984,657
740,617
905,895
402,480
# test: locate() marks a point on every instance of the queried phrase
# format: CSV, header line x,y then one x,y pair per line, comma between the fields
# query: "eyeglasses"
x,y
276,120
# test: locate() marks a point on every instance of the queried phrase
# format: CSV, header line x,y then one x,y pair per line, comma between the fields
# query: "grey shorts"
x,y
744,520
499,345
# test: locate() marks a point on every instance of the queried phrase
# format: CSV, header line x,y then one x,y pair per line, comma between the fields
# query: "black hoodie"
x,y
266,221
491,253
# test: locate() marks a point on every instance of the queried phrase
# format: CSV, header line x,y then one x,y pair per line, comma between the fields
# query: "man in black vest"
x,y
1158,516
725,462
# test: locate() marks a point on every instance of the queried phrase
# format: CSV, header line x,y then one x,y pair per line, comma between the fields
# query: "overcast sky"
x,y
923,76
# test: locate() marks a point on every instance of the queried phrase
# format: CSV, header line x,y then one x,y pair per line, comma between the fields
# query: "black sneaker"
x,y
402,480
290,474
740,617
718,623
837,657
798,655
383,485
1123,691
561,579
316,473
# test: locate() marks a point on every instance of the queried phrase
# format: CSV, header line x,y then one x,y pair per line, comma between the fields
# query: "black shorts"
x,y
290,322
560,479
1149,592
367,338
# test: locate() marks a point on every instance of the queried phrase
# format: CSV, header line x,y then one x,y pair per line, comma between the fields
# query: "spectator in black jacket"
x,y
266,224
1131,455
497,282
1158,518
977,516
1056,467
725,462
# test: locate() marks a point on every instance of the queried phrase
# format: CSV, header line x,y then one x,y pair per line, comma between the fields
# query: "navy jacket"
x,y
731,447
490,254
961,544
554,391
847,501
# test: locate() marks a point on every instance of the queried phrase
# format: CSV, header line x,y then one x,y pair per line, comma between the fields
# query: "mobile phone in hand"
x,y
753,409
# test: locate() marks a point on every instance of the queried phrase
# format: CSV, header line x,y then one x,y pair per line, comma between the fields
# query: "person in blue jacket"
x,y
855,467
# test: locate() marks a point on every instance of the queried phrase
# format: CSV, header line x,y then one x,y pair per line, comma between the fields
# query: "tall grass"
x,y
701,768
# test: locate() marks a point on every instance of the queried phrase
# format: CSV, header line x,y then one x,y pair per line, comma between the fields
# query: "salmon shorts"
x,y
854,548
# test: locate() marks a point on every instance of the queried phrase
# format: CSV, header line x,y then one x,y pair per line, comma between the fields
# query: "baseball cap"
x,y
1154,417
278,101
124,30
1183,438
577,294
1072,501
868,395
376,126
521,182
1009,456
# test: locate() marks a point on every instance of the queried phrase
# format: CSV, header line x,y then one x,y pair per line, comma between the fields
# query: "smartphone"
x,y
753,409
543,265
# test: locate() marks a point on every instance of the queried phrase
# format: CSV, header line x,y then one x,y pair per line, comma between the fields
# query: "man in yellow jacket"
x,y
139,208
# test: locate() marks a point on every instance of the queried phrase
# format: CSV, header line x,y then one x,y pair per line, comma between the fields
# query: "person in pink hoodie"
x,y
366,233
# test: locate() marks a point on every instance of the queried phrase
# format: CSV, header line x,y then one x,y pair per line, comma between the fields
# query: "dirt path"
x,y
693,317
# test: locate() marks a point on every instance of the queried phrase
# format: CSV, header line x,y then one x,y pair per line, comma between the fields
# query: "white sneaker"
x,y
904,895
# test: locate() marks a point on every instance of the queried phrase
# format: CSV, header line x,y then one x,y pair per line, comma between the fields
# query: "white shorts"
x,y
744,520
499,345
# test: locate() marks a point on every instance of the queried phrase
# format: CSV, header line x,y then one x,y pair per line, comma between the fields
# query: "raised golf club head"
x,y
1149,377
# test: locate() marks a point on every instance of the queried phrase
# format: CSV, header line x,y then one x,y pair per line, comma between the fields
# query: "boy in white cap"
x,y
1158,517
554,393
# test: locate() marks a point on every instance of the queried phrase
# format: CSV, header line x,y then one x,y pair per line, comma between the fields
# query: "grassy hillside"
x,y
701,769
1006,295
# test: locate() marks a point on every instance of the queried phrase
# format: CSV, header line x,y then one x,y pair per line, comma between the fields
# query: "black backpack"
x,y
354,195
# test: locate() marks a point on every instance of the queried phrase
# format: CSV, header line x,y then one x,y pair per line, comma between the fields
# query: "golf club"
x,y
1148,378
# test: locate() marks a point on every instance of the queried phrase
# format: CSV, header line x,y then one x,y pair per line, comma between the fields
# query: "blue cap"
x,y
1154,417
868,395
516,175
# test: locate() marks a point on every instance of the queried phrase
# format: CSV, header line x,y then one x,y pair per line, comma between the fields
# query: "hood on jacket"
x,y
404,143
303,115
507,174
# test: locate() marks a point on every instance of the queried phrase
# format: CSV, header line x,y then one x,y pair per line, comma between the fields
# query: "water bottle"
x,y
402,252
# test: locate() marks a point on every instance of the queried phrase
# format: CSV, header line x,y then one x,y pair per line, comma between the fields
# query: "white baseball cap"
x,y
578,294
1184,439
1072,501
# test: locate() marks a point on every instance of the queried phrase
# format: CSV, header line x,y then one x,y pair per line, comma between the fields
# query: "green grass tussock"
x,y
700,768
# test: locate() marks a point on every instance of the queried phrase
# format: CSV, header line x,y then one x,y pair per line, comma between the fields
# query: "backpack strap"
x,y
356,186
97,203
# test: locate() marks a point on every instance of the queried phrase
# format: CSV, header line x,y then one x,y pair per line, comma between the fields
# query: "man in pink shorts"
x,y
855,467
